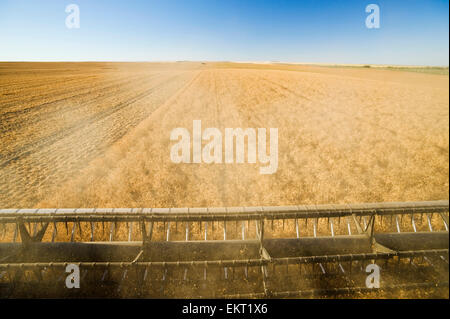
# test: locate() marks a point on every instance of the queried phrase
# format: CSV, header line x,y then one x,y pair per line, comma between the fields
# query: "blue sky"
x,y
413,32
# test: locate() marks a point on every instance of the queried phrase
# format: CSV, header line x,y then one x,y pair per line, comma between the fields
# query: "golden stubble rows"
x,y
51,130
355,136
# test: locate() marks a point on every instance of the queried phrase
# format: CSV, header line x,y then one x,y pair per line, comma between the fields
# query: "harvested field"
x,y
55,118
97,135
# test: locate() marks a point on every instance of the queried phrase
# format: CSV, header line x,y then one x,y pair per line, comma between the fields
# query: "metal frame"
x,y
366,244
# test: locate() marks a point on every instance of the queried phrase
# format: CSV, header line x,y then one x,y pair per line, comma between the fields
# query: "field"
x,y
98,134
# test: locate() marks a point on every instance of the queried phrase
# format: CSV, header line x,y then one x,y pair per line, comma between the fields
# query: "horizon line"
x,y
229,61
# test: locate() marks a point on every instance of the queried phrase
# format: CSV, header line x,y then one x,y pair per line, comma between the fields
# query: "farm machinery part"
x,y
230,252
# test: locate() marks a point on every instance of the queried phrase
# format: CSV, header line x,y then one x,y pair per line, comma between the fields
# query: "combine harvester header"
x,y
232,252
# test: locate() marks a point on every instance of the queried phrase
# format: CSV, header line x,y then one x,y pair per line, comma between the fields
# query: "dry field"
x,y
98,134
56,118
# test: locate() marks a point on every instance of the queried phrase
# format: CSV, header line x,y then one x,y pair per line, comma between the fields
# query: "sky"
x,y
414,32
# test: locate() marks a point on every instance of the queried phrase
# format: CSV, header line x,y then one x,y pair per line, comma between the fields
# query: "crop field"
x,y
98,134
56,118
86,135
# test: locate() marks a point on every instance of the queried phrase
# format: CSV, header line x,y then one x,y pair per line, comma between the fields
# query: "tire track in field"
x,y
67,95
53,161
53,95
63,133
66,108
11,87
31,133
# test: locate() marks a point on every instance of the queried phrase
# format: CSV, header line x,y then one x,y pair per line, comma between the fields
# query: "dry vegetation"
x,y
55,118
83,135
97,134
